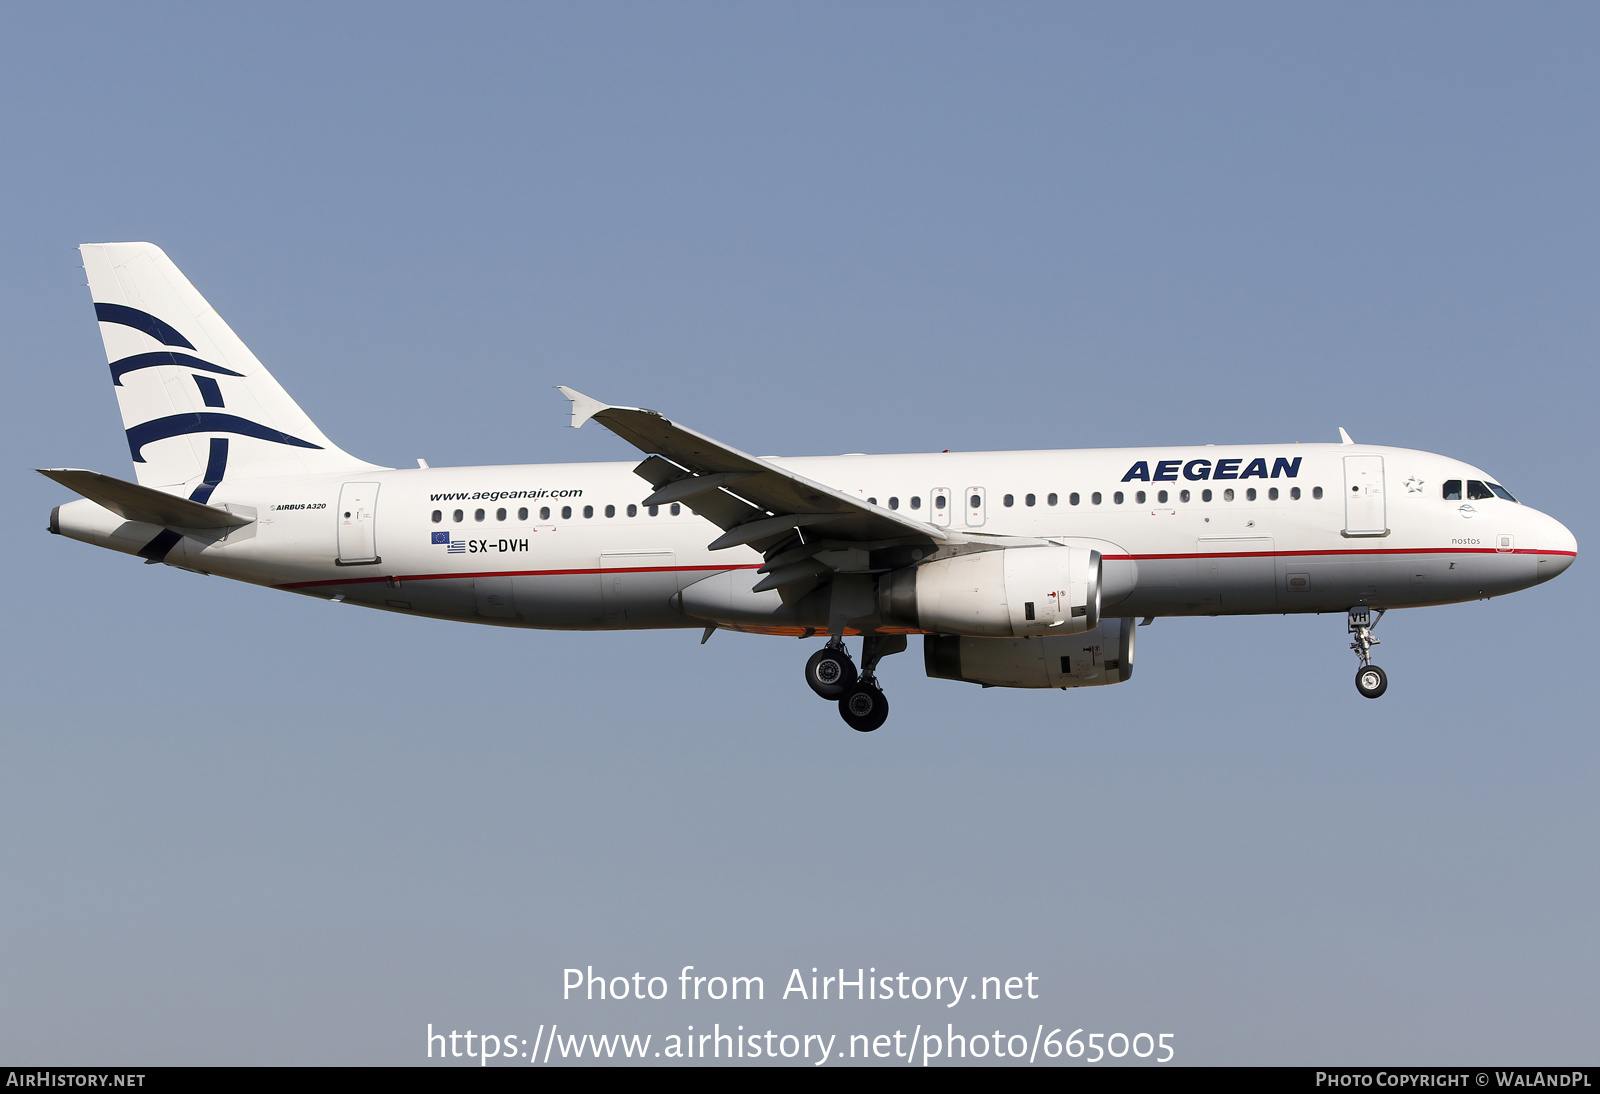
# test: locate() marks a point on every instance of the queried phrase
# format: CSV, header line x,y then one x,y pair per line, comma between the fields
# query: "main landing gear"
x,y
832,675
1371,681
830,672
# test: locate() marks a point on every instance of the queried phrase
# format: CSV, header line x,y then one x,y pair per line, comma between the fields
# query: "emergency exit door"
x,y
358,510
1364,513
975,506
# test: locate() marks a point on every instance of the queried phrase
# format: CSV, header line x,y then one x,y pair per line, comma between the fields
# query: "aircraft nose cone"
x,y
1558,548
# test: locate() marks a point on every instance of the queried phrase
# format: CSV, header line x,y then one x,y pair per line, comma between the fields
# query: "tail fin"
x,y
196,403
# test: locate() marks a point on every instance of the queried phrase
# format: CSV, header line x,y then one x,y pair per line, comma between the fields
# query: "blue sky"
x,y
245,827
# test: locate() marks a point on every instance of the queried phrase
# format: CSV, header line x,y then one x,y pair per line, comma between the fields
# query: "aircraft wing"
x,y
755,501
141,503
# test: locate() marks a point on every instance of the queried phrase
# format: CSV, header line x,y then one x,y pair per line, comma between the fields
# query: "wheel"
x,y
830,672
864,708
1372,681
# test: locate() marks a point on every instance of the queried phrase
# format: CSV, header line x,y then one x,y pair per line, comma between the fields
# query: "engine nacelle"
x,y
1009,592
1101,656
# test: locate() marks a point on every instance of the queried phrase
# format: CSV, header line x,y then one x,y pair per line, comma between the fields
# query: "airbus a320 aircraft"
x,y
1019,569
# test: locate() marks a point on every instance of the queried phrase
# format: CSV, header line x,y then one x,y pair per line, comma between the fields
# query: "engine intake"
x,y
1005,593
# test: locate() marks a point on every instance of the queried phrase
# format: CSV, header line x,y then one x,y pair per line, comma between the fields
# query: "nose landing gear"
x,y
832,675
1371,681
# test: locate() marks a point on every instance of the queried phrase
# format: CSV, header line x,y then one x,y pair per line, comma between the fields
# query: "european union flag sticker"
x,y
441,537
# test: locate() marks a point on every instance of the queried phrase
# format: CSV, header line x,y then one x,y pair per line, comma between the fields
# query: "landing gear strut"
x,y
832,675
1371,681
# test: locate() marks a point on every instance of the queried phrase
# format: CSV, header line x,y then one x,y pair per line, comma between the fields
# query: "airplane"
x,y
1019,569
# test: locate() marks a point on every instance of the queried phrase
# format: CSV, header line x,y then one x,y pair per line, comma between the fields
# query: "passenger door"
x,y
358,510
1364,513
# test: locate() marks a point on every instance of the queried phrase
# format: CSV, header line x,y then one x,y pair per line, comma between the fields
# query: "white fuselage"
x,y
569,546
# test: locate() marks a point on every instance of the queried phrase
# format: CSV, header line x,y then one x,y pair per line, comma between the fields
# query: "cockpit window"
x,y
1452,490
1501,492
1476,491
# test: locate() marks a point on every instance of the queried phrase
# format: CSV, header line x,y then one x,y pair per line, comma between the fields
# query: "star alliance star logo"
x,y
1413,485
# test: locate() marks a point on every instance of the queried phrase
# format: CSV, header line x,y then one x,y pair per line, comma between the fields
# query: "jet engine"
x,y
1101,656
1008,592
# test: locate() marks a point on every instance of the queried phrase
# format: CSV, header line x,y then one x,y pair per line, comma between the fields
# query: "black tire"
x,y
1372,681
830,672
864,708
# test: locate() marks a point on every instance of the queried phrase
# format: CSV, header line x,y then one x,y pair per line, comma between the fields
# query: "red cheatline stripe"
x,y
518,573
1353,551
753,565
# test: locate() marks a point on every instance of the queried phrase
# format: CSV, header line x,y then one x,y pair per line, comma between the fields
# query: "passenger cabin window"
x,y
1139,497
522,514
872,501
437,516
588,512
1316,492
1205,495
894,503
675,509
1073,499
655,510
1452,490
916,503
1476,491
1227,495
1050,499
1250,494
611,510
566,512
1009,500
478,515
1094,498
1294,493
499,514
1183,495
1161,496
458,515
976,501
1117,497
544,512
633,510
1272,493
1029,499
938,501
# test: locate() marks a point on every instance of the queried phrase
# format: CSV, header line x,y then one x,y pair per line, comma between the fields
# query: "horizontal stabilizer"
x,y
141,503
